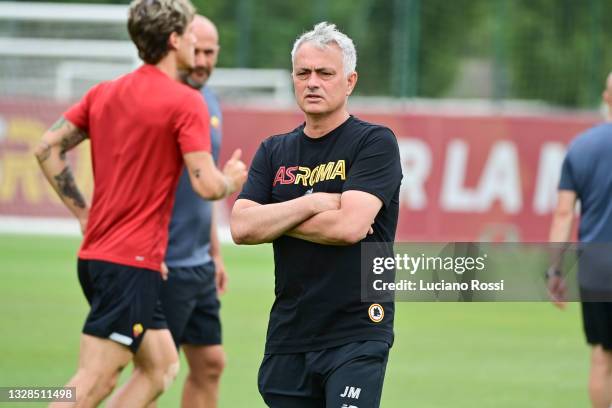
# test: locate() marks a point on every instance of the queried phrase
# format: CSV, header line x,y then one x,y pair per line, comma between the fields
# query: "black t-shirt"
x,y
318,287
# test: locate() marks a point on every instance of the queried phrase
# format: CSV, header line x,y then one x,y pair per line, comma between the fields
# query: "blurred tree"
x,y
275,24
550,50
556,50
446,33
260,34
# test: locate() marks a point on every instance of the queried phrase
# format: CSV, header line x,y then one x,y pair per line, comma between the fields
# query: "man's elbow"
x,y
238,236
564,214
42,151
242,235
352,234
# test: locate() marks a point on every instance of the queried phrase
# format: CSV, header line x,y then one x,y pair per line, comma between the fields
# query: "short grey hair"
x,y
324,34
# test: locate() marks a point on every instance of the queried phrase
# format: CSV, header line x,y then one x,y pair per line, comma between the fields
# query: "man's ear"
x,y
173,41
352,81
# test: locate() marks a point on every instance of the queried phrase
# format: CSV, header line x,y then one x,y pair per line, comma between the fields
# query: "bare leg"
x,y
600,380
206,364
155,367
100,363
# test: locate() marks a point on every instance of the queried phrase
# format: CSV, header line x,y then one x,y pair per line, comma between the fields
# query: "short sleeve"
x,y
192,125
567,180
78,114
258,186
377,168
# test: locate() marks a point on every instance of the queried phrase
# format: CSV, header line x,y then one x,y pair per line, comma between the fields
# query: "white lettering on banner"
x,y
549,171
500,180
454,197
416,166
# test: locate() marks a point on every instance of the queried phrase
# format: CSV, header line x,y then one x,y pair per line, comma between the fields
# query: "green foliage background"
x,y
549,50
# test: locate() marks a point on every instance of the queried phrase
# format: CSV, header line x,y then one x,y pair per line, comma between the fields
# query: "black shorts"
x,y
124,301
351,375
597,323
191,305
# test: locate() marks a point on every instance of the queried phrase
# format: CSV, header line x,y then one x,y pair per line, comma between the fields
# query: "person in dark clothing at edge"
x,y
586,176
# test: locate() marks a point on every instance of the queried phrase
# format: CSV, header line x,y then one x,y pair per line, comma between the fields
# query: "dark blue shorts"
x,y
597,323
124,301
191,305
348,376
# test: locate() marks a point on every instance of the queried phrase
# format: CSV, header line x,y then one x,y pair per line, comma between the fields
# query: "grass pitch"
x,y
445,354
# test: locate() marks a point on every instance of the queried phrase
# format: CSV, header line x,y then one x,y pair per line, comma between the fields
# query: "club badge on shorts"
x,y
376,313
137,329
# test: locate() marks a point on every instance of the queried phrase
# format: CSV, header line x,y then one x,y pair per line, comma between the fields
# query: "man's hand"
x,y
560,232
253,223
83,224
164,271
208,181
220,275
235,172
325,201
557,290
348,224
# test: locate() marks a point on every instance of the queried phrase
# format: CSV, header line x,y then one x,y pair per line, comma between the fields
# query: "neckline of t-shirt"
x,y
327,135
152,68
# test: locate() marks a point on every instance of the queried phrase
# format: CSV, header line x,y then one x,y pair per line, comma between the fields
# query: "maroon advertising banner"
x,y
466,177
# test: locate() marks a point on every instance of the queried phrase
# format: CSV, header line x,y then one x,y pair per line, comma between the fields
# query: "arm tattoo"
x,y
58,124
70,140
70,137
67,187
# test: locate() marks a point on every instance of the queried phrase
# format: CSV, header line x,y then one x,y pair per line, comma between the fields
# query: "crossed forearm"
x,y
327,228
346,225
264,223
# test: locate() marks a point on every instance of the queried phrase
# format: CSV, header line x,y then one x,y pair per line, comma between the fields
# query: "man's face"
x,y
206,53
319,81
606,107
185,49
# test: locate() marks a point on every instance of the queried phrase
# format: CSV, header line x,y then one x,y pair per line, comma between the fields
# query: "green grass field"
x,y
445,355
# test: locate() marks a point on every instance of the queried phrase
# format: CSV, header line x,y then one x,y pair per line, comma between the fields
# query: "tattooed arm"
x,y
51,156
208,181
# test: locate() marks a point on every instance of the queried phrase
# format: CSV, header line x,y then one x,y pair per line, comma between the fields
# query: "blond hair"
x,y
150,23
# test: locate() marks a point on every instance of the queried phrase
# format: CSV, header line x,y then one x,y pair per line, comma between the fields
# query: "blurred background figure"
x,y
586,176
196,270
143,127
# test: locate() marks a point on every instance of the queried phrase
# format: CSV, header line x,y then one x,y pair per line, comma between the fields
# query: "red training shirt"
x,y
139,125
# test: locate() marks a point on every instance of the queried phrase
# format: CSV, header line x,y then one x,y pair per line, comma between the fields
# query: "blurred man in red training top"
x,y
142,127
